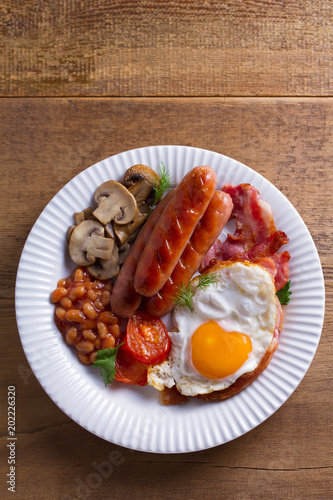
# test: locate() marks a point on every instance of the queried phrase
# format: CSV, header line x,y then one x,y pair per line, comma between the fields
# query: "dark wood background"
x,y
81,80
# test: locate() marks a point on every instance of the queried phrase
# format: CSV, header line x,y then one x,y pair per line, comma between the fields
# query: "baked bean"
x,y
88,324
109,341
58,294
102,330
78,275
71,335
89,310
66,303
93,357
77,292
98,343
98,304
62,283
89,335
115,330
60,312
74,315
107,317
105,297
84,358
85,346
91,294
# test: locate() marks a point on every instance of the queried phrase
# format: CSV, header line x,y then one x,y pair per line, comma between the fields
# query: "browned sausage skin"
x,y
124,299
207,230
174,229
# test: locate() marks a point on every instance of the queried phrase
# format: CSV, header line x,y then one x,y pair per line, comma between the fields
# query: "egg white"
x,y
241,300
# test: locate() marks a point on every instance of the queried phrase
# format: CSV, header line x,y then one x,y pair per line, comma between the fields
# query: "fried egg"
x,y
226,334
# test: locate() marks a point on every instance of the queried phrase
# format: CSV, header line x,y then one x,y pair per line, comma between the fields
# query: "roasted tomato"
x,y
147,338
129,370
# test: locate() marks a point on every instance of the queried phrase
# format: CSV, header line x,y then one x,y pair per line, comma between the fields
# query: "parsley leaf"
x,y
284,295
106,360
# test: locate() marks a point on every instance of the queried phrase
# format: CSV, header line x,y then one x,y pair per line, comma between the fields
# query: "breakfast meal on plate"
x,y
147,249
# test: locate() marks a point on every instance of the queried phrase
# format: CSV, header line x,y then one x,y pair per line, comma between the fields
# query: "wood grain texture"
x,y
43,144
166,48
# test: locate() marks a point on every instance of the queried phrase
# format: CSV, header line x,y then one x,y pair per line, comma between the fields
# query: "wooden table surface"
x,y
82,80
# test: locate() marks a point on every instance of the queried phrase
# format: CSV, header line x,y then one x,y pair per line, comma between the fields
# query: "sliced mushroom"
x,y
69,232
115,202
139,172
141,182
109,230
124,232
143,192
134,235
87,242
123,252
81,216
106,269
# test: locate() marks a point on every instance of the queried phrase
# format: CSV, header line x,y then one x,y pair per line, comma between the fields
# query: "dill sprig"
x,y
163,184
184,296
207,279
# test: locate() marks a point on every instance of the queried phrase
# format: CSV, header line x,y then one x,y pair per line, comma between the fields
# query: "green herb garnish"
x,y
207,279
162,185
284,295
185,294
106,360
183,297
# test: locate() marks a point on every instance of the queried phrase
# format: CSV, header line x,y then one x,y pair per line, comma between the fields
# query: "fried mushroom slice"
x,y
106,269
141,181
124,250
69,232
81,216
87,242
125,232
115,203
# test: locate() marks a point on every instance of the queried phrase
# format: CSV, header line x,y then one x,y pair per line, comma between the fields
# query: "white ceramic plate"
x,y
132,416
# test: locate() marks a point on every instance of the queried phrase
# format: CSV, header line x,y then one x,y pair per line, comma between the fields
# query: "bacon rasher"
x,y
266,255
254,220
255,239
281,261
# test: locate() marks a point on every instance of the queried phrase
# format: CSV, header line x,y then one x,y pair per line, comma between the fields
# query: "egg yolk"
x,y
217,353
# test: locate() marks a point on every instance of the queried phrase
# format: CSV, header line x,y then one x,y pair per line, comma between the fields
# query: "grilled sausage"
x,y
174,229
207,230
124,299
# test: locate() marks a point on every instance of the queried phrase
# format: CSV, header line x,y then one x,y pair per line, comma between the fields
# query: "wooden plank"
x,y
44,143
167,48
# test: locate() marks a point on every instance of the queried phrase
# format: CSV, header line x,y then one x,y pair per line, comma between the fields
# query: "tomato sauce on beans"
x,y
83,314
